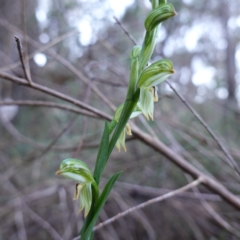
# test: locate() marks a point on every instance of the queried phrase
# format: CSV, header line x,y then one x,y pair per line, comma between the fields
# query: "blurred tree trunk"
x,y
230,54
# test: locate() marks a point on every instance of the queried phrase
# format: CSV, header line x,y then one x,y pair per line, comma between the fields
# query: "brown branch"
x,y
62,60
22,59
154,143
232,162
182,163
50,105
40,48
147,139
8,185
125,30
214,214
149,202
54,93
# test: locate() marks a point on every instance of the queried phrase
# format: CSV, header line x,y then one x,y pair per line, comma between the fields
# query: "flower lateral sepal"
x,y
156,73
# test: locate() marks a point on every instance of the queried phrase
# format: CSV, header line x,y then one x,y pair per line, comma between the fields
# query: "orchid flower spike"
x,y
153,75
79,171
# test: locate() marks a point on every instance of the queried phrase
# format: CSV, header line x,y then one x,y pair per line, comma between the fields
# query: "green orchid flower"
x,y
153,75
158,15
127,130
79,171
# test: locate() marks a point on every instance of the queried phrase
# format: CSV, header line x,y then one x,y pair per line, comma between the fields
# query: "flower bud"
x,y
158,15
79,171
135,52
155,73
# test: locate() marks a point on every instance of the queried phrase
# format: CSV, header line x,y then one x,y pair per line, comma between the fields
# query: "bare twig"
x,y
146,138
149,202
21,56
232,162
34,216
58,136
125,30
54,93
63,61
22,235
25,46
50,105
214,214
40,47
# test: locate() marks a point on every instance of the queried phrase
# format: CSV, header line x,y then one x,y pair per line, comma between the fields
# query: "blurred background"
x,y
75,45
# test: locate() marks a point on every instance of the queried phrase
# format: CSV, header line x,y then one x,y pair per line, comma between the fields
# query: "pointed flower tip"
x,y
158,15
58,172
175,13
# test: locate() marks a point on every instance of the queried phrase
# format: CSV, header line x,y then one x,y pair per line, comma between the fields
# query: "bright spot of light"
x,y
222,93
147,4
40,59
198,99
44,38
85,32
203,74
187,1
41,15
232,23
192,36
119,7
238,22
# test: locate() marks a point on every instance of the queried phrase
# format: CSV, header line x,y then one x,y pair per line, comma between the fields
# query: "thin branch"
x,y
146,138
149,202
57,137
54,93
125,30
214,214
19,221
63,61
21,56
50,105
153,192
25,46
33,215
41,48
232,162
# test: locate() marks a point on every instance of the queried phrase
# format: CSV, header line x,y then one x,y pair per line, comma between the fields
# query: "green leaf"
x,y
101,201
111,126
102,155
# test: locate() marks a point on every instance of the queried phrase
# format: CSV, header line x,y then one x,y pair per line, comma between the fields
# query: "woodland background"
x,y
76,45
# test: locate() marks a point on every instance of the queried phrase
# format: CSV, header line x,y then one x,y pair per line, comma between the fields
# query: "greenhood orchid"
x,y
79,171
150,77
121,140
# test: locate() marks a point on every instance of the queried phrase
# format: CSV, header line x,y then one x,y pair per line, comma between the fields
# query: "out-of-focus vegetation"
x,y
203,41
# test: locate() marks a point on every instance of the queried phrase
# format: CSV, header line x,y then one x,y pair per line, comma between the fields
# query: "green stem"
x,y
128,108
